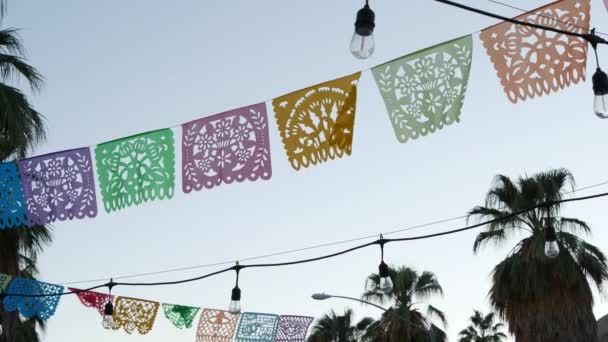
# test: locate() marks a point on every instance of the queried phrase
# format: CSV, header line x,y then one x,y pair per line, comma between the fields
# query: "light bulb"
x,y
0,329
600,92
235,301
551,249
386,284
600,106
362,44
362,47
108,316
235,306
551,246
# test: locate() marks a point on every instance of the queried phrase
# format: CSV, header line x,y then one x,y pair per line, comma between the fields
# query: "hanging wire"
x,y
380,242
590,37
542,16
303,249
496,16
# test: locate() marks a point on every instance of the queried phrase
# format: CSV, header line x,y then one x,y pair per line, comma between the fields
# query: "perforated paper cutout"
x,y
133,314
226,147
216,326
424,91
43,307
5,280
59,186
292,328
12,203
533,62
256,327
92,299
317,123
136,169
181,316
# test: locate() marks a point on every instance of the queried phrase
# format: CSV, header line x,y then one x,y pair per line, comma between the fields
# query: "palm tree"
x,y
541,299
21,127
410,318
482,329
334,328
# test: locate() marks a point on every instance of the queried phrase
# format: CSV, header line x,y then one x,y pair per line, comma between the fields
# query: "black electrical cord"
x,y
591,37
382,241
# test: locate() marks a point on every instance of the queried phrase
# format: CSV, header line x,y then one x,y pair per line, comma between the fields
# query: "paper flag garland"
x,y
316,123
292,328
5,279
532,62
43,307
226,147
136,169
94,300
12,203
256,327
180,316
59,186
134,314
216,326
424,91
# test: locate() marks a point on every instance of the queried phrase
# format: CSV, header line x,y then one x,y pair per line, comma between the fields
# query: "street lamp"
x,y
324,296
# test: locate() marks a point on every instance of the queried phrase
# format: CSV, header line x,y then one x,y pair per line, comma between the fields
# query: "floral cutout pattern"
x,y
134,314
317,123
59,186
92,299
43,307
256,327
216,326
136,169
180,316
226,147
424,91
12,203
292,328
5,279
531,62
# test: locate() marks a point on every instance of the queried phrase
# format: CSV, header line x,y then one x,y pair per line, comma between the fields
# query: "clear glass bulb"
x,y
600,106
386,284
362,47
551,249
107,322
235,306
0,329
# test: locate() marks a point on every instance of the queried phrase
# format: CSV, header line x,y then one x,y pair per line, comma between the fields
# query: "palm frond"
x,y
10,42
427,286
12,67
21,126
434,313
497,237
573,225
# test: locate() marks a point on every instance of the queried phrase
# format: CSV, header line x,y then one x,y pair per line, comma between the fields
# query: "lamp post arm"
x,y
361,301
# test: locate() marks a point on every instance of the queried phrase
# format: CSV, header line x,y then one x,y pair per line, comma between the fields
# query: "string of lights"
x,y
301,249
380,242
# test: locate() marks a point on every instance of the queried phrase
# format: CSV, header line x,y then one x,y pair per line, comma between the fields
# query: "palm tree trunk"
x,y
9,264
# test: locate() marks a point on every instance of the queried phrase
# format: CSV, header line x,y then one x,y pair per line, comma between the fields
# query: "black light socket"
x,y
109,309
236,294
383,270
550,235
600,83
365,24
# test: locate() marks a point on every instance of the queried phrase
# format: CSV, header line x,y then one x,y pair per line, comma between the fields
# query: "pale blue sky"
x,y
116,68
